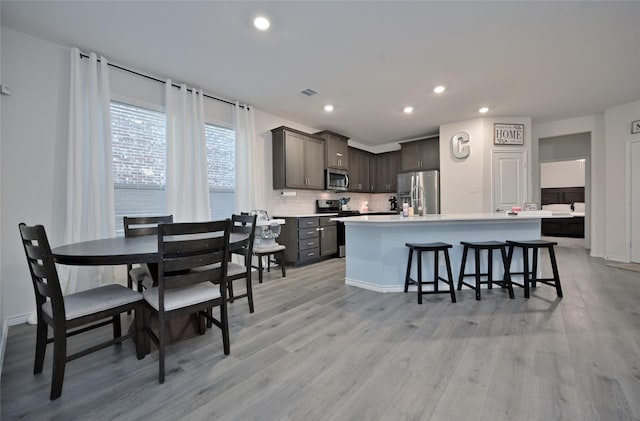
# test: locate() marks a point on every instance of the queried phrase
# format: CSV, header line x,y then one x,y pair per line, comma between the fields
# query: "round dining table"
x,y
120,250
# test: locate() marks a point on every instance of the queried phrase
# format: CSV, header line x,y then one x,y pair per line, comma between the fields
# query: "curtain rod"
x,y
155,79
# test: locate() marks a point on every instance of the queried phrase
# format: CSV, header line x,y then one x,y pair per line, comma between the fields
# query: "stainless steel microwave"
x,y
336,179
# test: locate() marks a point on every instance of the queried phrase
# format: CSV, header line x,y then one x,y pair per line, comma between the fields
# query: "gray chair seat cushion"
x,y
268,249
95,300
182,297
234,269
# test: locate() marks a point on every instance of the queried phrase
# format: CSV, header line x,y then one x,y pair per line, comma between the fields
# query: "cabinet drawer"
x,y
307,222
304,233
308,243
308,254
326,221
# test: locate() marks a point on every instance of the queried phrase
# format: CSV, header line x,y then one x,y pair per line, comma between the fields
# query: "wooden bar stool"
x,y
477,247
436,248
531,276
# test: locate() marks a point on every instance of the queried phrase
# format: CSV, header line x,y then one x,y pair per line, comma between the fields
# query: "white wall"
x,y
3,323
34,131
618,135
562,174
459,176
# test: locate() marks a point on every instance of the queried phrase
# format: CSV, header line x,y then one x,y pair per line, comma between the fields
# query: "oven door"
x,y
336,180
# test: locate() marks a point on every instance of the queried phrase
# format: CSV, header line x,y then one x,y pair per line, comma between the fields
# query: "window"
x,y
139,163
221,160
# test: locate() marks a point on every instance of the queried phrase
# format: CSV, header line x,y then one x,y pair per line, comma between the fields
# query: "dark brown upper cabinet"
x,y
298,160
421,154
336,149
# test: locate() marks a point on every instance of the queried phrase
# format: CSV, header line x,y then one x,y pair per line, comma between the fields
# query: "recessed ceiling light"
x,y
408,110
439,89
261,23
483,110
328,108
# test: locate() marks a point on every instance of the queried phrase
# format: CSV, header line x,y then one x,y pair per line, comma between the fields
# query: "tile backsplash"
x,y
304,202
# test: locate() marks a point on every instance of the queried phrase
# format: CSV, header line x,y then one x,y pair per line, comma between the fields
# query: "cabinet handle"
x,y
309,244
309,232
310,254
339,154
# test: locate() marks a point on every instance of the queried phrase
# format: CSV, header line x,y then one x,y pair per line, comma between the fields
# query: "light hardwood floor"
x,y
316,349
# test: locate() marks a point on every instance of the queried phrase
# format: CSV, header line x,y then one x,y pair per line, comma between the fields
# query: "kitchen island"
x,y
377,255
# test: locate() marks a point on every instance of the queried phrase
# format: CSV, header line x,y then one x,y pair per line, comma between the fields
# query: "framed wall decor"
x,y
635,127
508,134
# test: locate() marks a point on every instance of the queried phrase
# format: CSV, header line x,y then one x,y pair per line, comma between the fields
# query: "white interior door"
x,y
509,179
635,202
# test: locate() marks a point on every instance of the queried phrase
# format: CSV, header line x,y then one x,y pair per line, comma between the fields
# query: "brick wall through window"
x,y
139,163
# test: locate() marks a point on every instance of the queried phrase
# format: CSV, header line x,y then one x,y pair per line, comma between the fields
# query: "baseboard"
x,y
3,343
617,259
18,320
373,287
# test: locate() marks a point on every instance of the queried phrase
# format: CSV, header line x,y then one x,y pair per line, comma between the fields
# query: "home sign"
x,y
508,134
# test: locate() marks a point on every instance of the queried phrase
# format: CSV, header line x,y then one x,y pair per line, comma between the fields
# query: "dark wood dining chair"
x,y
192,278
245,224
74,313
135,226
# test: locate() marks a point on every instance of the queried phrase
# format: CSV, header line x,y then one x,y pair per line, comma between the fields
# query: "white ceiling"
x,y
545,60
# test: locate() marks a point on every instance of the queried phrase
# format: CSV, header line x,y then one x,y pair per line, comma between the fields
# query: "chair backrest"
x,y
192,252
246,224
136,226
43,269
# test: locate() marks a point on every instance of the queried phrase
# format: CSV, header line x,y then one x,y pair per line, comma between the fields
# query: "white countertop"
x,y
305,215
270,222
462,217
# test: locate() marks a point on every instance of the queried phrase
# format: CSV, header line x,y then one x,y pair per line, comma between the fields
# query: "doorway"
x,y
634,186
577,149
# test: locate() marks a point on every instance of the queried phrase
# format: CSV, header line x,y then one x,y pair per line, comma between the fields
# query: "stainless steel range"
x,y
333,206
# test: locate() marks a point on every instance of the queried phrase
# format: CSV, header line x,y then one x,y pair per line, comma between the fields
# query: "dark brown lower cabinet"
x,y
308,239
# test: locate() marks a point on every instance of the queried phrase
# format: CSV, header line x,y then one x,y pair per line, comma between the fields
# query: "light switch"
x,y
473,188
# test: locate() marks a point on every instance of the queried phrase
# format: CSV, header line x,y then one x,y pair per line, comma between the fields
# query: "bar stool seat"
x,y
530,277
436,248
477,247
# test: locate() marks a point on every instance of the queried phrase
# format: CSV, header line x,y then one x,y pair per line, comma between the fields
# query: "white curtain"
x,y
187,180
249,161
89,200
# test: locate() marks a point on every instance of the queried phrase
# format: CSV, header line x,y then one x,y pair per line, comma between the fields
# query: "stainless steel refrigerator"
x,y
420,189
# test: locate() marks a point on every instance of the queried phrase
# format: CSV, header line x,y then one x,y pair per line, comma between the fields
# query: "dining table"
x,y
132,250
120,250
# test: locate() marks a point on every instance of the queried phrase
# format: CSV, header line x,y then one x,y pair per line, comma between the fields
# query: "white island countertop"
x,y
459,217
376,251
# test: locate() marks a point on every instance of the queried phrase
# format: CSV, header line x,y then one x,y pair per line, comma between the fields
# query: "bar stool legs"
x,y
436,248
530,274
477,248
